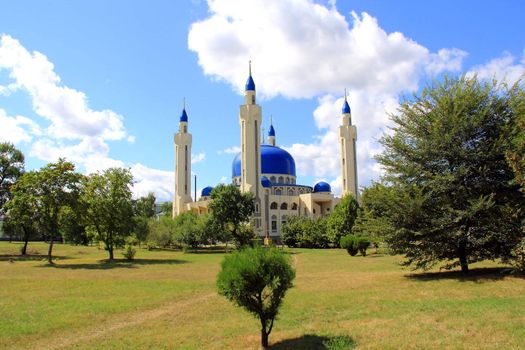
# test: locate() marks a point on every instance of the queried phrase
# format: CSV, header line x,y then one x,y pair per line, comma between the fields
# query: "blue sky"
x,y
102,82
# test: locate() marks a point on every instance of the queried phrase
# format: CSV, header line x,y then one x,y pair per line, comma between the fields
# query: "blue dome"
x,y
322,186
265,182
272,131
250,85
206,191
346,107
274,160
184,116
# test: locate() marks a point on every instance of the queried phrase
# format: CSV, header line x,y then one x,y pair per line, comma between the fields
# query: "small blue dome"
x,y
206,191
265,182
272,131
184,116
346,107
322,186
274,160
250,85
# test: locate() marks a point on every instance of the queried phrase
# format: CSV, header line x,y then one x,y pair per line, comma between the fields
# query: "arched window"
x,y
283,220
287,180
274,223
272,179
284,206
278,192
281,180
290,192
294,206
273,205
257,207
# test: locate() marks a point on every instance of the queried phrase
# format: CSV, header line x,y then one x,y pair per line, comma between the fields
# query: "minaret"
x,y
250,120
182,141
347,138
271,134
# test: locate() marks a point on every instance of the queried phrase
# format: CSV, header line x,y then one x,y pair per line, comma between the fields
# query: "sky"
x,y
102,83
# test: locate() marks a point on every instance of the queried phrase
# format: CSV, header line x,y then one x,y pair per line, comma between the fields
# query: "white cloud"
x,y
161,182
197,158
17,129
230,150
504,68
302,49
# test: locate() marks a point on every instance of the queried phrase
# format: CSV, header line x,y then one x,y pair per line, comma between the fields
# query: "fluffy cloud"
x,y
17,129
504,68
197,158
301,50
74,130
230,150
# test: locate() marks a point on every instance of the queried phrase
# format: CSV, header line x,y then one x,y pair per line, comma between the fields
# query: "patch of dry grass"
x,y
168,300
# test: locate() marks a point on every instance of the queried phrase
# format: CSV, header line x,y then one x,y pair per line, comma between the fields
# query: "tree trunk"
x,y
24,249
264,338
49,257
463,257
110,249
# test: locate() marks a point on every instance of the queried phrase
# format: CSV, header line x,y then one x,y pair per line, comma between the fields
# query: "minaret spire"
x,y
271,133
250,68
347,139
183,141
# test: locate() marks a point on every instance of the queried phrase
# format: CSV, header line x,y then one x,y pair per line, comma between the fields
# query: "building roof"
x,y
274,160
250,85
184,116
206,191
346,107
322,186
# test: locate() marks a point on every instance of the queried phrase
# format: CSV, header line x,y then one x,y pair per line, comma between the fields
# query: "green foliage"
x,y
377,212
341,221
141,228
354,244
161,232
339,343
257,280
109,207
304,232
517,258
516,153
446,160
145,206
11,168
166,208
230,209
191,229
130,252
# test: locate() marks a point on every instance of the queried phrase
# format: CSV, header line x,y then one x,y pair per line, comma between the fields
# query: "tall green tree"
x,y
257,280
516,154
446,157
230,209
145,206
21,218
49,190
341,220
11,168
109,207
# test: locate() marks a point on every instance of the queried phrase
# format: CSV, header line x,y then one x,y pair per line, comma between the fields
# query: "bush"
x,y
355,244
129,253
518,257
257,280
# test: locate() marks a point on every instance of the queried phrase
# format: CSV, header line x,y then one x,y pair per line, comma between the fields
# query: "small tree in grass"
x,y
257,279
354,244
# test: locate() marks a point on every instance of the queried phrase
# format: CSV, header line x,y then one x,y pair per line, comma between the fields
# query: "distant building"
x,y
267,171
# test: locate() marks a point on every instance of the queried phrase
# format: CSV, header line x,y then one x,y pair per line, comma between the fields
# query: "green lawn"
x,y
168,300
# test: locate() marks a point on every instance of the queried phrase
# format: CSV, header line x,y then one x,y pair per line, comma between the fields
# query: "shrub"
x,y
355,244
518,257
257,280
129,253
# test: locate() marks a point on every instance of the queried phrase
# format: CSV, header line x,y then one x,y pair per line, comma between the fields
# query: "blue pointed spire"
x,y
271,132
184,116
250,85
346,106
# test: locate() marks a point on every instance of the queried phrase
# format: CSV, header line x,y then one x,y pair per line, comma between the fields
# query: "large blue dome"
x,y
322,186
274,160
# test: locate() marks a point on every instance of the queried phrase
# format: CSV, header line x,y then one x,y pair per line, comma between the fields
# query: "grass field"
x,y
168,300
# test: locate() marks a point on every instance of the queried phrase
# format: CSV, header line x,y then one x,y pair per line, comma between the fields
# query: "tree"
x,y
162,233
304,232
166,208
145,206
230,208
11,168
376,214
21,215
516,154
341,221
109,207
446,160
257,280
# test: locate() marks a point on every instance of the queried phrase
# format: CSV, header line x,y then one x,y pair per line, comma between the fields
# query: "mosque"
x,y
267,171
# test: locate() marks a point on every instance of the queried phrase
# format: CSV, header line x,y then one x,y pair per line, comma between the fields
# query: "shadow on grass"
x,y
29,257
315,342
482,274
117,264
